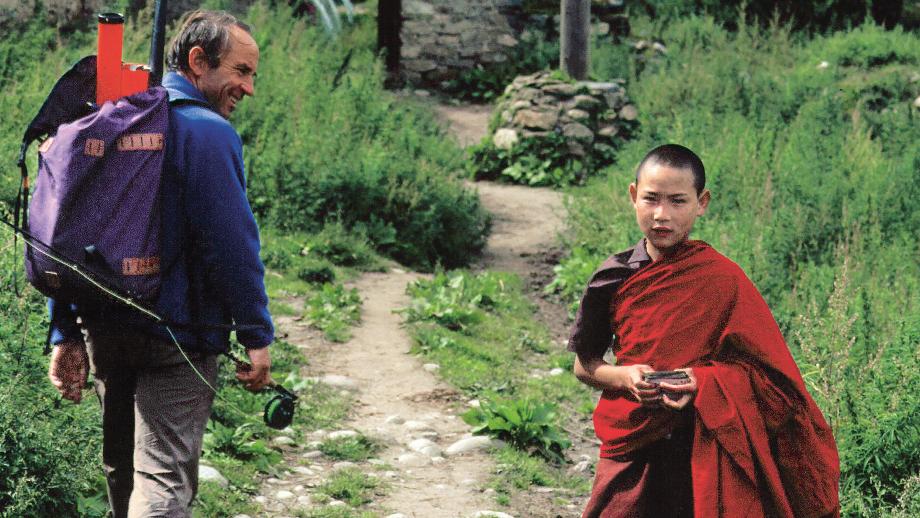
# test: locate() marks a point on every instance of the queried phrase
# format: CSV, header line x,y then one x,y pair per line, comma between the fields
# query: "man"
x,y
742,437
155,402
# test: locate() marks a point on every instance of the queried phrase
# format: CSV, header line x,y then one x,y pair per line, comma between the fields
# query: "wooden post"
x,y
389,24
573,35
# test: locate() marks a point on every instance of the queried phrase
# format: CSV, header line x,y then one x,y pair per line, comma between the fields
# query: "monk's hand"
x,y
684,393
640,390
69,369
257,375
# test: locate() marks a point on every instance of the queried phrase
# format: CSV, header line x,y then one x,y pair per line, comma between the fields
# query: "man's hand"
x,y
69,369
687,391
259,373
630,380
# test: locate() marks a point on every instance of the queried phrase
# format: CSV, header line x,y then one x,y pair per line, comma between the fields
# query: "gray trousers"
x,y
154,411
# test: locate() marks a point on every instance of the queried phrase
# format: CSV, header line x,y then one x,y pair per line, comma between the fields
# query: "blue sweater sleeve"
x,y
224,229
63,322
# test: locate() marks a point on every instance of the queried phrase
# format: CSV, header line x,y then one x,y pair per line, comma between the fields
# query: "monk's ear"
x,y
633,192
704,201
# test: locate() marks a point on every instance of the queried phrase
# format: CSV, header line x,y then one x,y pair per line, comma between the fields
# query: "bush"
x,y
524,424
350,154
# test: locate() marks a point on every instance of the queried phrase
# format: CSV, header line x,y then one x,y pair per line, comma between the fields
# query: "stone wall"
x,y
442,38
591,116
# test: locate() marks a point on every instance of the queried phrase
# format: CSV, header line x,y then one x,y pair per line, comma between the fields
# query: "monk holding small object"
x,y
703,412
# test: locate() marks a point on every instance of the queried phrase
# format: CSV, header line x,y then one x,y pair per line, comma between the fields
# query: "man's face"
x,y
226,85
666,205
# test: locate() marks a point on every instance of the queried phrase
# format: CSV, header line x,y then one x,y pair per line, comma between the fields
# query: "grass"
x,y
351,486
355,449
491,352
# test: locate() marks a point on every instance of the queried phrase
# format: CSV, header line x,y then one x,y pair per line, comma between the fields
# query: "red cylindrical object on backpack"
x,y
108,57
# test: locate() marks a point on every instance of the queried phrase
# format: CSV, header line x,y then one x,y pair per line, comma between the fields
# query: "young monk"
x,y
742,437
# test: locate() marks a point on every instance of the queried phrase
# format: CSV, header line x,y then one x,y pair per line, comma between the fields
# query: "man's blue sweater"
x,y
211,270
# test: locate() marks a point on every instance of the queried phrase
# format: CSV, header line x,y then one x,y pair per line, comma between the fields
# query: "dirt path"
x,y
398,400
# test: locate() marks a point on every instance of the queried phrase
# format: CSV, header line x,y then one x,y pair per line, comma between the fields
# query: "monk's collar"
x,y
639,255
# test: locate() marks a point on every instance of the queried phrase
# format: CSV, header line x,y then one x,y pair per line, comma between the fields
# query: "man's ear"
x,y
198,61
704,201
633,192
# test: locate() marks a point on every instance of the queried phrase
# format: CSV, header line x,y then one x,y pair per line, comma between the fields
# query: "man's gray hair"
x,y
209,30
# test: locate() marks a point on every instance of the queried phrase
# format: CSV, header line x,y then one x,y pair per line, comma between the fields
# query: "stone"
x,y
473,403
917,102
422,93
586,102
426,446
312,454
506,116
209,474
283,440
410,51
505,138
303,470
545,490
556,372
520,105
629,112
659,47
468,444
534,134
823,65
582,467
396,515
575,149
438,460
528,94
261,500
490,514
304,500
341,434
416,7
431,367
344,464
413,459
541,120
560,89
507,40
420,65
608,131
241,516
450,40
578,115
336,503
578,132
495,57
284,495
395,419
418,426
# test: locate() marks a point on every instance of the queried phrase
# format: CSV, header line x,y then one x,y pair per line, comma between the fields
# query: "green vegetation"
x,y
480,329
355,449
333,310
349,485
319,152
525,424
810,148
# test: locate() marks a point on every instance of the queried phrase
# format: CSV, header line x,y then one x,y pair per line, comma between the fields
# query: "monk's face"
x,y
667,205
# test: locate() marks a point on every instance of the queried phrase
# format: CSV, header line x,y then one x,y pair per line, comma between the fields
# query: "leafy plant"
x,y
455,300
349,485
524,424
241,443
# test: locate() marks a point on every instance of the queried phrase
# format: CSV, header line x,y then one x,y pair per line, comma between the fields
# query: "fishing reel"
x,y
279,410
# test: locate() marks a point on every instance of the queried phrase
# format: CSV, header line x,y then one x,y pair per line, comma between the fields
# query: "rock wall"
x,y
590,115
442,38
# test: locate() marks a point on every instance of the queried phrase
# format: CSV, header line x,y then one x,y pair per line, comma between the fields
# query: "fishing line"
x,y
279,410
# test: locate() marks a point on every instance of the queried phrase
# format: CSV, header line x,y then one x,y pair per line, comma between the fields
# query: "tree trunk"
x,y
573,35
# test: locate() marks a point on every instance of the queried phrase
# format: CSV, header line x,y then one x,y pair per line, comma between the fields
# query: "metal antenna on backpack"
x,y
157,42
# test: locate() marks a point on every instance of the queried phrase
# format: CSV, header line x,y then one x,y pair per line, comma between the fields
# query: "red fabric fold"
x,y
761,446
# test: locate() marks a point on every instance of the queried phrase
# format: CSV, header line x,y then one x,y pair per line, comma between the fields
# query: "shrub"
x,y
316,271
455,300
524,424
351,154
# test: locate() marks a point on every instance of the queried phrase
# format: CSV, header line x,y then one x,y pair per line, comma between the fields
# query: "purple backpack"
x,y
96,197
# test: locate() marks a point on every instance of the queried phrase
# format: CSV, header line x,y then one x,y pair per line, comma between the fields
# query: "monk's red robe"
x,y
761,446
